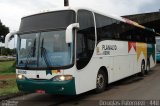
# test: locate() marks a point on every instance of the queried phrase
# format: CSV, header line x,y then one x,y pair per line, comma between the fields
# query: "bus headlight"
x,y
20,76
62,78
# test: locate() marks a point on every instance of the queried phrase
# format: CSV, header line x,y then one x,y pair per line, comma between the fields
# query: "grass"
x,y
8,86
7,67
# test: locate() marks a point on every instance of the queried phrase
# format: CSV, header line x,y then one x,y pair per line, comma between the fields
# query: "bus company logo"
x,y
48,72
97,49
131,45
51,72
107,48
139,48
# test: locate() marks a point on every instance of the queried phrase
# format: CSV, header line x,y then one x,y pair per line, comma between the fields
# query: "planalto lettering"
x,y
109,47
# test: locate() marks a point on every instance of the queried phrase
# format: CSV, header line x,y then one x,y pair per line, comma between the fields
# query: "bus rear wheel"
x,y
101,81
148,67
142,69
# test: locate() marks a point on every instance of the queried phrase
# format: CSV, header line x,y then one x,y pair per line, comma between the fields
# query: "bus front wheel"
x,y
101,81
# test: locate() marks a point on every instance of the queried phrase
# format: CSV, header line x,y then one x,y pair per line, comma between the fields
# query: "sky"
x,y
11,11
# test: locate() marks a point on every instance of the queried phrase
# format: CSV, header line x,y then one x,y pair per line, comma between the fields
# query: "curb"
x,y
6,97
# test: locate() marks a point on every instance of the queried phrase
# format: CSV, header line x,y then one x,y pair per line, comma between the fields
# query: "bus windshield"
x,y
45,49
41,40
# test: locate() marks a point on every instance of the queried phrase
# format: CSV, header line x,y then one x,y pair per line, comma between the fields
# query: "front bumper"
x,y
49,86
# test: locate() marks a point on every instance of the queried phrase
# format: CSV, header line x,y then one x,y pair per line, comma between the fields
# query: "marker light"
x,y
20,76
62,78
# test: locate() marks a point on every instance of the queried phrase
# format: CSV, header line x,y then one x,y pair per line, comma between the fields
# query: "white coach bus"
x,y
72,51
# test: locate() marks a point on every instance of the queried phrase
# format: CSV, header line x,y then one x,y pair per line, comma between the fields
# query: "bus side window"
x,y
122,31
149,37
105,27
85,38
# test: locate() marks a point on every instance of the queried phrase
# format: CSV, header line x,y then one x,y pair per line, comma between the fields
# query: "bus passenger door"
x,y
85,46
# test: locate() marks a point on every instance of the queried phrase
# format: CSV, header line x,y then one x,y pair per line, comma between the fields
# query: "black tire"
x,y
142,73
147,67
101,81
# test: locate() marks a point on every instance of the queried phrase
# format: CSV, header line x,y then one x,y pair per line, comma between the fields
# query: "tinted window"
x,y
142,35
85,38
124,31
111,29
108,28
150,37
45,21
105,27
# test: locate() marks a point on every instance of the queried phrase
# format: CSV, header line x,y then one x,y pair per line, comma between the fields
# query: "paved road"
x,y
132,88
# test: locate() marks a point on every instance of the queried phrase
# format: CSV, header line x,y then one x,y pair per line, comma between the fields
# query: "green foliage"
x,y
7,51
3,32
7,67
8,87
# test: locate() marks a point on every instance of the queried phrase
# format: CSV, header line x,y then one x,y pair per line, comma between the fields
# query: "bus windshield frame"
x,y
45,47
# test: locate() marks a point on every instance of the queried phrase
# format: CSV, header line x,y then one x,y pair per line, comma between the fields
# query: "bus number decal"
x,y
22,72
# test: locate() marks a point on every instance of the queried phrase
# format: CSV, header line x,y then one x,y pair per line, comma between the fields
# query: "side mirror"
x,y
7,38
69,32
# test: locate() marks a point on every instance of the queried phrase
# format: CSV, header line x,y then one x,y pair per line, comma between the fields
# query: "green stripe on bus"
x,y
51,87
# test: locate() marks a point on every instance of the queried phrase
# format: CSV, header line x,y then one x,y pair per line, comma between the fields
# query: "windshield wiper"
x,y
44,54
31,53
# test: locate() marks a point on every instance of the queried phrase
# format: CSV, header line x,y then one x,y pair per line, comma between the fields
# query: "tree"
x,y
7,51
3,32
